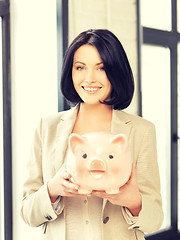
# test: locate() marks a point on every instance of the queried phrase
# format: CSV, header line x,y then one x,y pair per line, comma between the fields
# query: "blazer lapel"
x,y
120,124
64,129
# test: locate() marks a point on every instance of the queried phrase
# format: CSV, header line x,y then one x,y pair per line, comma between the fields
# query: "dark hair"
x,y
115,63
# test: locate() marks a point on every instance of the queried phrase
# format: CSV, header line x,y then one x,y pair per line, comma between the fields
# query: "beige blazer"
x,y
47,156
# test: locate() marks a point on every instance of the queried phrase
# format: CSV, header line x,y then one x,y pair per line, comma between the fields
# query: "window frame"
x,y
7,143
168,39
62,40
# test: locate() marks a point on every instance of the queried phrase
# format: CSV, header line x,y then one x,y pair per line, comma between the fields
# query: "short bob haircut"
x,y
115,63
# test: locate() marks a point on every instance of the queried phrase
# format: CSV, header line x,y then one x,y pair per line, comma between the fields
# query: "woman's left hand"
x,y
128,195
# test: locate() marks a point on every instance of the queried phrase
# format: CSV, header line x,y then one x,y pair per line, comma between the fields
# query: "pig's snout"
x,y
97,165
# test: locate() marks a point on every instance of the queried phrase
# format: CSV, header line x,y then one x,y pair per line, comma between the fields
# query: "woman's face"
x,y
89,77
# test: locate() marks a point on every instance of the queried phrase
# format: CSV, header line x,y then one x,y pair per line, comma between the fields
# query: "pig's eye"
x,y
84,155
111,156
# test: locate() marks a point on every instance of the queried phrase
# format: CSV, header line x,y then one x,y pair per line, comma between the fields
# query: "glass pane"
x,y
156,14
179,136
1,142
178,15
156,108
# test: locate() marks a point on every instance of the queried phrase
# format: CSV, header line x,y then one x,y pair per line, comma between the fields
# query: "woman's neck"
x,y
95,110
92,118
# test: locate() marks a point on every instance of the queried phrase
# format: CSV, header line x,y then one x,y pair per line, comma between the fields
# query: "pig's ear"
x,y
120,139
75,140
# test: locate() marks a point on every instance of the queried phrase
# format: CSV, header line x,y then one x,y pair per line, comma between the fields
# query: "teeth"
x,y
90,89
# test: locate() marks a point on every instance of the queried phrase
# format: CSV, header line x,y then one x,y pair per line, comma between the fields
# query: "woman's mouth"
x,y
91,89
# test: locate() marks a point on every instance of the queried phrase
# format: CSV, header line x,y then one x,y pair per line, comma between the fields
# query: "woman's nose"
x,y
90,77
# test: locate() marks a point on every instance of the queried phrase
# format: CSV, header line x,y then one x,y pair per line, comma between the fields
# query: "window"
x,y
158,99
156,107
178,15
161,12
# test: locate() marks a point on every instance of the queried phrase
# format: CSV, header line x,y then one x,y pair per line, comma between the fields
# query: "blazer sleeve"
x,y
36,205
151,215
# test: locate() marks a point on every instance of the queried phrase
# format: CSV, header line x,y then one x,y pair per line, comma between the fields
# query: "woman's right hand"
x,y
60,185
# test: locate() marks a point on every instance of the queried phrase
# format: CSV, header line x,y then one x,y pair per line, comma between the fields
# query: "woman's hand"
x,y
128,195
60,185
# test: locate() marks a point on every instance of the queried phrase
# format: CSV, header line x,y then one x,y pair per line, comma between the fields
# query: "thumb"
x,y
133,172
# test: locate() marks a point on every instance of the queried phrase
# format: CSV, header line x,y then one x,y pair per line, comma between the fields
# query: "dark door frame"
x,y
62,43
7,159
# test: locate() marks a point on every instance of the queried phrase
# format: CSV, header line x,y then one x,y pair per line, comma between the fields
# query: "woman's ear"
x,y
120,139
75,140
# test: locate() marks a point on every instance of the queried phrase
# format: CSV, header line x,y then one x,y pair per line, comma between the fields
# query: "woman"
x,y
97,77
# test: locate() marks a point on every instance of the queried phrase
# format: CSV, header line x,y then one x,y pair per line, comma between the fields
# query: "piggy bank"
x,y
99,161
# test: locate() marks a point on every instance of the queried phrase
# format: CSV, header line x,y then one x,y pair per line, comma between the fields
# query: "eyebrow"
x,y
79,62
99,63
85,64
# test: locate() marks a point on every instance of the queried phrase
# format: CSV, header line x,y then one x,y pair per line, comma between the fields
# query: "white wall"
x,y
119,16
34,87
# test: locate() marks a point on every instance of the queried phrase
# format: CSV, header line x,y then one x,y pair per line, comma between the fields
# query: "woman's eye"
x,y
80,68
101,69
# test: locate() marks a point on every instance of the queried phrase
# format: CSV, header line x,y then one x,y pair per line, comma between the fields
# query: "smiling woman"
x,y
106,49
96,74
